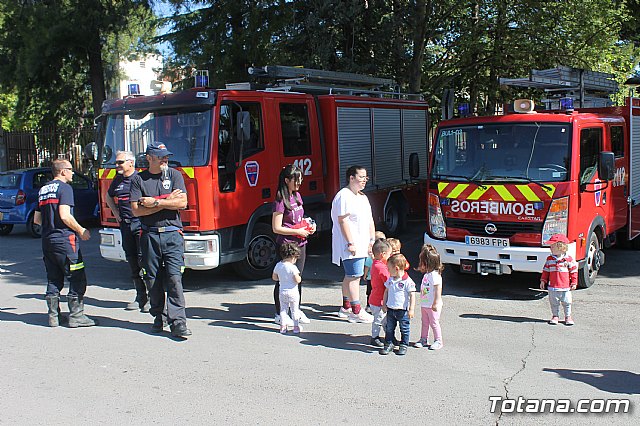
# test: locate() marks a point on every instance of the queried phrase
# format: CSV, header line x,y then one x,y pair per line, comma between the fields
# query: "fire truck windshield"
x,y
530,152
186,133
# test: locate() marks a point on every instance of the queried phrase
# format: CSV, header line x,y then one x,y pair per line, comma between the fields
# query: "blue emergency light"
x,y
133,89
202,78
464,110
566,104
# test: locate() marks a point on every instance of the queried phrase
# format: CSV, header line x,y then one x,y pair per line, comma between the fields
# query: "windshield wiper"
x,y
467,178
519,178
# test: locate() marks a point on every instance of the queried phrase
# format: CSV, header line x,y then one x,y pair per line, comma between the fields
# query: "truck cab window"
x,y
617,141
294,120
590,147
232,149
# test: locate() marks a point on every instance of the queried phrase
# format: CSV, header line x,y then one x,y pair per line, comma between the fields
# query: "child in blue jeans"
x,y
398,302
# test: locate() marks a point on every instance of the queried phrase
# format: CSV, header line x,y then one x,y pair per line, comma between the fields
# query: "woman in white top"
x,y
353,235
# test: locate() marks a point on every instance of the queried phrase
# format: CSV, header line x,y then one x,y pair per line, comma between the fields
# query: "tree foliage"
x,y
52,53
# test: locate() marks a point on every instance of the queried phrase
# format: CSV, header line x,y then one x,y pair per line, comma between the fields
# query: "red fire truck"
x,y
231,144
500,186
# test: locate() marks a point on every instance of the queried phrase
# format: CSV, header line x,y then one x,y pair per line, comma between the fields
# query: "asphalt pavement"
x,y
238,369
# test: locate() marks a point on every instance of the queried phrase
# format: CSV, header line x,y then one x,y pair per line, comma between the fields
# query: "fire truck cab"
x,y
231,144
500,186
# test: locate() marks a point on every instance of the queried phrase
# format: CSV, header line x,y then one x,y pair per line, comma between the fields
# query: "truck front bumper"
x,y
493,260
201,251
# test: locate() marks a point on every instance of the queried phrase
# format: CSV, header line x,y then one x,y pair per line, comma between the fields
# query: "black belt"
x,y
160,229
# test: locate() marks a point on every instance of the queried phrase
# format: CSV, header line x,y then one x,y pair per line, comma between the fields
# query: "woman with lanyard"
x,y
286,220
353,234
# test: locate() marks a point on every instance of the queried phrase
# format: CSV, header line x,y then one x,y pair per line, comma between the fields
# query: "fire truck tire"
x,y
589,271
34,230
395,218
5,229
262,254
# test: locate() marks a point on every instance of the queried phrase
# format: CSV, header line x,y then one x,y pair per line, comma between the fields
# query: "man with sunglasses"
x,y
60,246
158,194
120,189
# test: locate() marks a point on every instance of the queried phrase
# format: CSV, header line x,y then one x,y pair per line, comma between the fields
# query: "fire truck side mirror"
x,y
414,165
91,151
606,167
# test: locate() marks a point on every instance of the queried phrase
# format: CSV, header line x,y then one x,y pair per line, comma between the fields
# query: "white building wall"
x,y
142,72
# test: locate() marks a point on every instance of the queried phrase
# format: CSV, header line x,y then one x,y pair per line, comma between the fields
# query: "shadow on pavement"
x,y
613,381
502,318
259,317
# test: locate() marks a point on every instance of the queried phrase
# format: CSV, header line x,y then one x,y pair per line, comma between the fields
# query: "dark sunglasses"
x,y
120,162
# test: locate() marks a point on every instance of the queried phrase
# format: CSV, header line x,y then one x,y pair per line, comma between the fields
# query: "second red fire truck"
x,y
500,186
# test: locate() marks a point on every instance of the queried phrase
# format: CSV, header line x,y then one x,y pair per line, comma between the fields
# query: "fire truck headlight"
x,y
198,246
557,220
436,219
107,240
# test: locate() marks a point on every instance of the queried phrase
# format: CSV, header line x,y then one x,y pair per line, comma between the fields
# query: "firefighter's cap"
x,y
557,238
158,149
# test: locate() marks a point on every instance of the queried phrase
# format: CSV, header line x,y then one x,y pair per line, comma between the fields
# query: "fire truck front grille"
x,y
504,229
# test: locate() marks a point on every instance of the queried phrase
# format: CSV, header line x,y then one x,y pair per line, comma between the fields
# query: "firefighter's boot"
x,y
77,318
53,303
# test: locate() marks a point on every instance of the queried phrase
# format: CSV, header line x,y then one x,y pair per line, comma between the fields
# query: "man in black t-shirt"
x,y
157,196
60,245
120,188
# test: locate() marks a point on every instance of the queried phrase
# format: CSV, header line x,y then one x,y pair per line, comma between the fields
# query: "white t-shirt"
x,y
286,272
427,288
398,292
359,221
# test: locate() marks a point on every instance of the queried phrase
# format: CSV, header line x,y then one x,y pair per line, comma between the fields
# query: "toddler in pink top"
x,y
430,296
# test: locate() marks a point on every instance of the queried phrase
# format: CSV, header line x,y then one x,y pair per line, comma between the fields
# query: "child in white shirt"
x,y
398,302
288,274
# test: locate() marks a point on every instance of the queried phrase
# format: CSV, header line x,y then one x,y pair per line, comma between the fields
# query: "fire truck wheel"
x,y
34,230
395,219
588,273
5,229
262,254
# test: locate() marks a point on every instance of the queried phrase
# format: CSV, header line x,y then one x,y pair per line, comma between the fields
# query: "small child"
x,y
398,303
288,274
430,296
560,275
368,261
396,246
379,275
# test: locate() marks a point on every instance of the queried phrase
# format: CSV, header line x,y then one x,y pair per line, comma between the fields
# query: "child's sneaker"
x,y
387,349
297,329
368,309
283,329
436,345
277,319
377,342
402,350
361,317
421,343
344,313
303,318
553,321
568,320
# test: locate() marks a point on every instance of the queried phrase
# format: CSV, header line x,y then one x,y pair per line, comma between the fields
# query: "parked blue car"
x,y
19,198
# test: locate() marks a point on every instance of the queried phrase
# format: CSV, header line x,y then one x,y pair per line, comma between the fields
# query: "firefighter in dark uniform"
x,y
120,188
61,247
157,196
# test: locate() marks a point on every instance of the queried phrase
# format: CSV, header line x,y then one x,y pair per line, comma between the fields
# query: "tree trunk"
x,y
96,73
419,42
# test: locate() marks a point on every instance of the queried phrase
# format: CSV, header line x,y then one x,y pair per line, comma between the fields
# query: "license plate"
x,y
486,241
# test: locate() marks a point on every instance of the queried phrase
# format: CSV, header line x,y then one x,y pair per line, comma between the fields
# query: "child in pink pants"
x,y
430,296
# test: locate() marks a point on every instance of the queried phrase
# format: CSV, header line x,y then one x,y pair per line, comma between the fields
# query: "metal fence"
x,y
38,147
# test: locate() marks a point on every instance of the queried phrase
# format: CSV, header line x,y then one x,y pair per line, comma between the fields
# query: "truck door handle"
x,y
266,192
